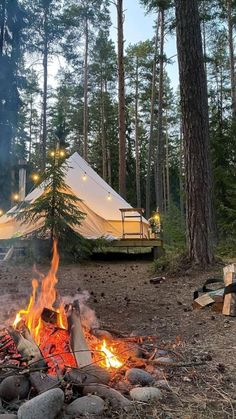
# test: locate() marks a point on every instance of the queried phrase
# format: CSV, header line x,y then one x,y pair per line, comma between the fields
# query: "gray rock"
x,y
114,397
164,360
46,405
162,384
8,416
92,405
138,376
14,387
162,352
145,394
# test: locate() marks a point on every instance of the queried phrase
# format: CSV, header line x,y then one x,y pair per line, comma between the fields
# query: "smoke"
x,y
88,316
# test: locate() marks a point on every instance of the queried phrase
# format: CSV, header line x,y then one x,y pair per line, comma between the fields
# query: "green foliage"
x,y
57,207
174,228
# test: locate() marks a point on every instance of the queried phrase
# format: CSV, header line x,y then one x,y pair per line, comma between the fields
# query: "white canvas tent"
x,y
100,203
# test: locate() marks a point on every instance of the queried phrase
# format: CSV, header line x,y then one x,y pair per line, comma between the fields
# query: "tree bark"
x,y
167,164
231,56
193,90
150,142
103,132
2,26
45,87
137,158
160,142
181,185
121,100
85,128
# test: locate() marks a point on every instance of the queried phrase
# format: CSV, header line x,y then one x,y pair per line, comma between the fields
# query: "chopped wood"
x,y
78,342
229,306
203,301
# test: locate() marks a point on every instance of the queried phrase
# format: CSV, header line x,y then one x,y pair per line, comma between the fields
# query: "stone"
x,y
164,360
86,405
46,405
14,387
114,397
162,384
138,376
145,394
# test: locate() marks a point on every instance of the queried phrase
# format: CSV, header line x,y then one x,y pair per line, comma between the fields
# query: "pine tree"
x,y
57,206
193,89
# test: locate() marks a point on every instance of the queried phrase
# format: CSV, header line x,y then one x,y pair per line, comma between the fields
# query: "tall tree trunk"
x,y
30,127
109,164
85,127
121,99
231,56
2,26
137,157
167,173
45,87
181,185
193,90
150,141
103,132
160,141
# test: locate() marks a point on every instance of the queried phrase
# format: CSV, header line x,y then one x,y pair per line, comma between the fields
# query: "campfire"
x,y
53,348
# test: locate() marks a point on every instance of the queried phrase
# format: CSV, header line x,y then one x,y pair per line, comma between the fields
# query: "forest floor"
x,y
125,300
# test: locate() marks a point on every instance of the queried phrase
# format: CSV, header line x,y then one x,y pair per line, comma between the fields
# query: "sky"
x,y
138,26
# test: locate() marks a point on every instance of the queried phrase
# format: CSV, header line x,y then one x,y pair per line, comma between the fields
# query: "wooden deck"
x,y
137,243
155,245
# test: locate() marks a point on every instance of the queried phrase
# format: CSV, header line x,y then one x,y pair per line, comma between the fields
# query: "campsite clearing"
x,y
124,299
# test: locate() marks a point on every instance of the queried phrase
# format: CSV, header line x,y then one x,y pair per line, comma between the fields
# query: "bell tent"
x,y
99,202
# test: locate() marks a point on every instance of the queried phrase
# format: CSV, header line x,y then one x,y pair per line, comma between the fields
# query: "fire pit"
x,y
53,363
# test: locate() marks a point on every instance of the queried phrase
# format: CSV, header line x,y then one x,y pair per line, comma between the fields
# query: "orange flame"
x,y
110,359
46,299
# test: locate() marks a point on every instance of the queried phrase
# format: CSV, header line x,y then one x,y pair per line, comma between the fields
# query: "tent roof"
x,y
94,191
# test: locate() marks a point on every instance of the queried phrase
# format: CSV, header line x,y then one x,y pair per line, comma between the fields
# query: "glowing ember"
x,y
110,359
46,299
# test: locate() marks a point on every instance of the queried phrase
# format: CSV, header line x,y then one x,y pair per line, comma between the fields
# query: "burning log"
x,y
50,316
27,347
90,374
78,342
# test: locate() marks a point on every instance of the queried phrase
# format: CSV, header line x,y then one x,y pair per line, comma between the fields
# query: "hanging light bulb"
x,y
109,196
35,177
52,153
62,153
84,177
16,197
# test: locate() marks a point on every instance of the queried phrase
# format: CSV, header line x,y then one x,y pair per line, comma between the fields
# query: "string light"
x,y
16,197
1,212
84,177
52,153
62,153
35,177
109,196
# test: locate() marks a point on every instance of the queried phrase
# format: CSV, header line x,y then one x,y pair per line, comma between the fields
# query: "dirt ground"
x,y
125,300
